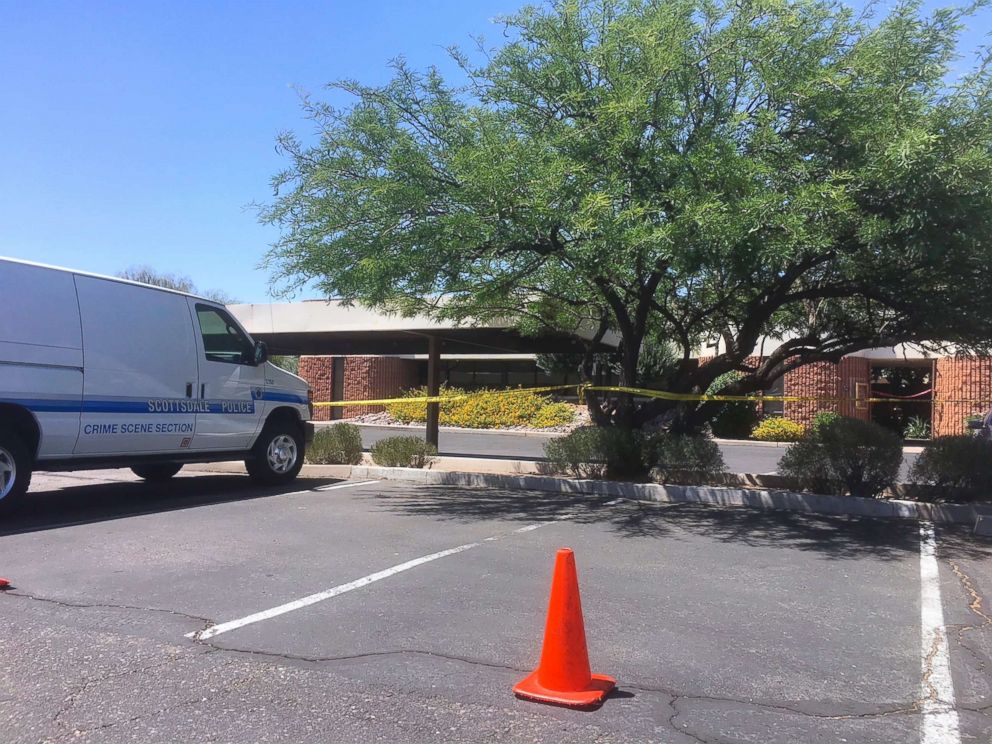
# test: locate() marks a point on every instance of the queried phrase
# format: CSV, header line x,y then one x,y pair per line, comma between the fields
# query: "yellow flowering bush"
x,y
778,429
485,409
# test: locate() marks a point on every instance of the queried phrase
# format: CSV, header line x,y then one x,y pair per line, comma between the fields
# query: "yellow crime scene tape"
x,y
582,389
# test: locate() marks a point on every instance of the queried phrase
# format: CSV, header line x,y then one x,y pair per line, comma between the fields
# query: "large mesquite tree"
x,y
684,170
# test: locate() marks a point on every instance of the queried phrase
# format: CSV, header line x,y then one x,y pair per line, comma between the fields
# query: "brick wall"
x,y
960,379
371,377
318,371
816,380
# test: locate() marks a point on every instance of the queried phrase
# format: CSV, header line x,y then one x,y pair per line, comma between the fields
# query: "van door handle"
x,y
189,389
203,390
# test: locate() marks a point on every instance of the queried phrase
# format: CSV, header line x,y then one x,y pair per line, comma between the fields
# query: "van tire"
x,y
16,465
277,455
158,472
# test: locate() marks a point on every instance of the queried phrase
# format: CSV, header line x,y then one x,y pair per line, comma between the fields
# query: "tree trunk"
x,y
594,402
625,415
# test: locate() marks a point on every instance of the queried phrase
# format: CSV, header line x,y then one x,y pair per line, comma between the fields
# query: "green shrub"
x,y
917,428
340,444
486,409
960,462
403,452
778,429
848,455
594,452
823,418
968,420
671,455
733,419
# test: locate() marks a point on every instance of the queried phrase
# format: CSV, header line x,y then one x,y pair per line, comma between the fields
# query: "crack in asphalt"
x,y
932,695
101,605
976,606
975,603
674,697
357,657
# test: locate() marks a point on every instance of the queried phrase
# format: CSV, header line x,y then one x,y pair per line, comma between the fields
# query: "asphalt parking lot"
x,y
135,616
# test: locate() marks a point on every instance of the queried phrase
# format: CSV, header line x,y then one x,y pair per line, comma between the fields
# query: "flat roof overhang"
x,y
331,328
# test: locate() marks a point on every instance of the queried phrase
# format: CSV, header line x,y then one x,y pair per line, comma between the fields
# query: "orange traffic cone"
x,y
4,584
563,677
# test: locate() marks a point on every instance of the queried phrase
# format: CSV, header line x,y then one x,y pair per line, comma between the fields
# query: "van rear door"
x,y
231,386
140,373
41,352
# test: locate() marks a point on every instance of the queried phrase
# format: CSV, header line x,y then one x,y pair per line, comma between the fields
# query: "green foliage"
x,y
732,420
655,367
598,452
968,420
339,444
403,452
683,169
823,418
778,429
485,409
917,428
671,455
848,455
959,462
288,363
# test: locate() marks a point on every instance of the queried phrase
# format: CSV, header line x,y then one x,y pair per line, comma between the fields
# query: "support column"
x,y
433,388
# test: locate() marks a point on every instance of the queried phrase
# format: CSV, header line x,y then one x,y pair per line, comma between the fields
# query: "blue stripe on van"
x,y
166,406
46,405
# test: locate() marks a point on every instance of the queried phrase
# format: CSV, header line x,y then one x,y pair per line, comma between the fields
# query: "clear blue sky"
x,y
137,133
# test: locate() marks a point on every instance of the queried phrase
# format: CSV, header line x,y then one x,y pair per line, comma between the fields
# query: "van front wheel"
x,y
277,455
15,471
157,472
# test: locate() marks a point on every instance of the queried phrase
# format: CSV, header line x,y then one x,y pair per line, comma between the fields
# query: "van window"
x,y
223,341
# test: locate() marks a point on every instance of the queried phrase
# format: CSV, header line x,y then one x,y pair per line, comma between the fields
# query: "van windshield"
x,y
223,341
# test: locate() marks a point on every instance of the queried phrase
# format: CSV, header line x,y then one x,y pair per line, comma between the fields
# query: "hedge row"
x,y
592,452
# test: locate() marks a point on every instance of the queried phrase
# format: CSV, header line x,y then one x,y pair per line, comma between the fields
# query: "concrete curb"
x,y
912,449
765,499
808,503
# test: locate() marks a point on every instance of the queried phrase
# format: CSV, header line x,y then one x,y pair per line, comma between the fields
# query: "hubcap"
x,y
282,454
8,472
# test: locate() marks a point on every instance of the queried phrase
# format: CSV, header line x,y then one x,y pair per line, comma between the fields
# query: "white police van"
x,y
101,372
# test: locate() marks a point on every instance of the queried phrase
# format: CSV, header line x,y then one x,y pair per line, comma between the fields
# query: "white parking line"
x,y
345,485
940,719
216,630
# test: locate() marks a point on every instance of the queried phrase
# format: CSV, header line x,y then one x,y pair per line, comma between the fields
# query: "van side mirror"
x,y
261,353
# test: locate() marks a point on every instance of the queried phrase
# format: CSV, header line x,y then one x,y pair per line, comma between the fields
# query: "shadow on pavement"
x,y
99,502
834,537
